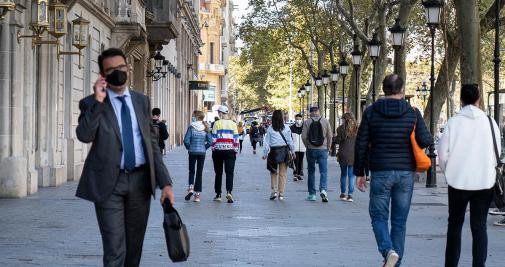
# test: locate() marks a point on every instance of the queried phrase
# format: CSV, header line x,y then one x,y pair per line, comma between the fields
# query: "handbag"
x,y
499,196
291,158
423,162
176,234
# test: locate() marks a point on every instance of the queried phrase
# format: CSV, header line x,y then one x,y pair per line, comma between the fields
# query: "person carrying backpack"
x,y
255,135
317,138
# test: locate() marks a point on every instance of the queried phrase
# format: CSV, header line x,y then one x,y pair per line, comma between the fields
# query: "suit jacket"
x,y
98,125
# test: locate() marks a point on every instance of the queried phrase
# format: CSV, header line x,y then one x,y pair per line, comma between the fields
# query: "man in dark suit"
x,y
124,165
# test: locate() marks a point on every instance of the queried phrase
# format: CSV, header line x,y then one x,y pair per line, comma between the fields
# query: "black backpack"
x,y
316,135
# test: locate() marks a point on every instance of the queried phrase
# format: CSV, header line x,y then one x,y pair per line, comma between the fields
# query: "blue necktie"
x,y
127,135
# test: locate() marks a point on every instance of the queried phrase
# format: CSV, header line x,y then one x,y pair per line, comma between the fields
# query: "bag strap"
x,y
494,141
415,116
284,138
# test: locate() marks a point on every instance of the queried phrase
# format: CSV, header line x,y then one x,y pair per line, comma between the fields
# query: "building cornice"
x,y
95,10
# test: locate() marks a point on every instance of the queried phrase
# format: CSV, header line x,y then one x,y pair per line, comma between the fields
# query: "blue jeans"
x,y
319,156
395,187
345,172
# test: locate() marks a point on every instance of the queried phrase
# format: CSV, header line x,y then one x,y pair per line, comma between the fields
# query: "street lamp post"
x,y
374,49
397,33
301,96
422,92
308,86
357,58
344,68
326,81
497,64
335,75
319,83
433,9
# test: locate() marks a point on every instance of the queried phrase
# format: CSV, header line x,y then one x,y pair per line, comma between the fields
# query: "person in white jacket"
x,y
467,159
296,133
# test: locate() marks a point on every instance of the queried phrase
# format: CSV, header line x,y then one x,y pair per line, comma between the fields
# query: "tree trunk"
x,y
404,16
469,29
445,75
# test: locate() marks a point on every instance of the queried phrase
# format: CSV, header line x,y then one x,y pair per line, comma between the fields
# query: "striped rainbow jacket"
x,y
225,136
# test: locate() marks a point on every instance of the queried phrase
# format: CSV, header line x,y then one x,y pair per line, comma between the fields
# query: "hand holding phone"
x,y
99,89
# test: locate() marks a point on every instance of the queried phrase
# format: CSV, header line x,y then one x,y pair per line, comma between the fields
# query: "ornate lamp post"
x,y
308,87
301,96
374,49
397,33
433,10
496,61
422,92
334,75
357,58
319,83
159,63
6,6
326,81
344,68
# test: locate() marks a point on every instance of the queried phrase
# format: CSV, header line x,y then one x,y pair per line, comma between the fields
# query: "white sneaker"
x,y
281,197
500,223
496,212
391,259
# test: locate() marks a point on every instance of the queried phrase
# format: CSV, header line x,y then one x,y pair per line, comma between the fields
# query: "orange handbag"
x,y
423,162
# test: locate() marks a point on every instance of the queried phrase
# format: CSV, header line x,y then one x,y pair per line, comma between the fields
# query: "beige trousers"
x,y
282,171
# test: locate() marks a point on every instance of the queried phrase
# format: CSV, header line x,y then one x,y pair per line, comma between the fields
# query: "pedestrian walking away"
x,y
255,135
296,134
383,141
346,137
278,146
263,132
124,164
317,137
225,146
197,140
241,134
161,129
467,158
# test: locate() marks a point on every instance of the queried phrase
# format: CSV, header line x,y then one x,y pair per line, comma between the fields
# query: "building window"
x,y
211,54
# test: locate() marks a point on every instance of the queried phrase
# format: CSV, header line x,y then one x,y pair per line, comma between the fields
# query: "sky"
x,y
241,10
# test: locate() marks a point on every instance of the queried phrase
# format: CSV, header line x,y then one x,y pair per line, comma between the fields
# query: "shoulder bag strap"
x,y
284,138
494,141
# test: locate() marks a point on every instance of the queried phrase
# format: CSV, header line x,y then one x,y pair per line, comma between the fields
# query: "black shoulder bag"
x,y
291,159
499,196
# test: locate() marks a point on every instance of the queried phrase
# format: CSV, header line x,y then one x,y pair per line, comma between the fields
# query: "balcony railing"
x,y
215,68
131,11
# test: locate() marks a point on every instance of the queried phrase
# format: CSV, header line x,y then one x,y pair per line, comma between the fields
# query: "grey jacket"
x,y
98,125
326,130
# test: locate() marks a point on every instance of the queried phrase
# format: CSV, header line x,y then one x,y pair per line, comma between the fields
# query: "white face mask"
x,y
299,122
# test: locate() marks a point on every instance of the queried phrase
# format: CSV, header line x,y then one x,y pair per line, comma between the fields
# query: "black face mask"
x,y
117,78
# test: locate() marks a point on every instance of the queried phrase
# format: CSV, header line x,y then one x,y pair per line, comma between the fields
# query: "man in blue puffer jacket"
x,y
384,135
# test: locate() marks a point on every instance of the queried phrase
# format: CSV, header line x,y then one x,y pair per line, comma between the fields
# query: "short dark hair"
x,y
298,115
156,112
111,52
392,84
278,120
469,93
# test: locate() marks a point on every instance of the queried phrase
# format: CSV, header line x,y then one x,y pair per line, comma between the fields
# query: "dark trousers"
x,y
196,160
226,159
241,141
122,219
254,143
479,203
299,163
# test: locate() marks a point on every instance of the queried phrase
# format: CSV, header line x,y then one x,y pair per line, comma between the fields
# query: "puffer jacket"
x,y
386,126
197,140
296,134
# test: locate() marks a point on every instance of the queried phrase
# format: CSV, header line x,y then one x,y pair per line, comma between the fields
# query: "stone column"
x,y
12,163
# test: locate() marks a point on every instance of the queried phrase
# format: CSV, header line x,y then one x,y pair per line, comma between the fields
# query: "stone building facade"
x,y
218,35
39,94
